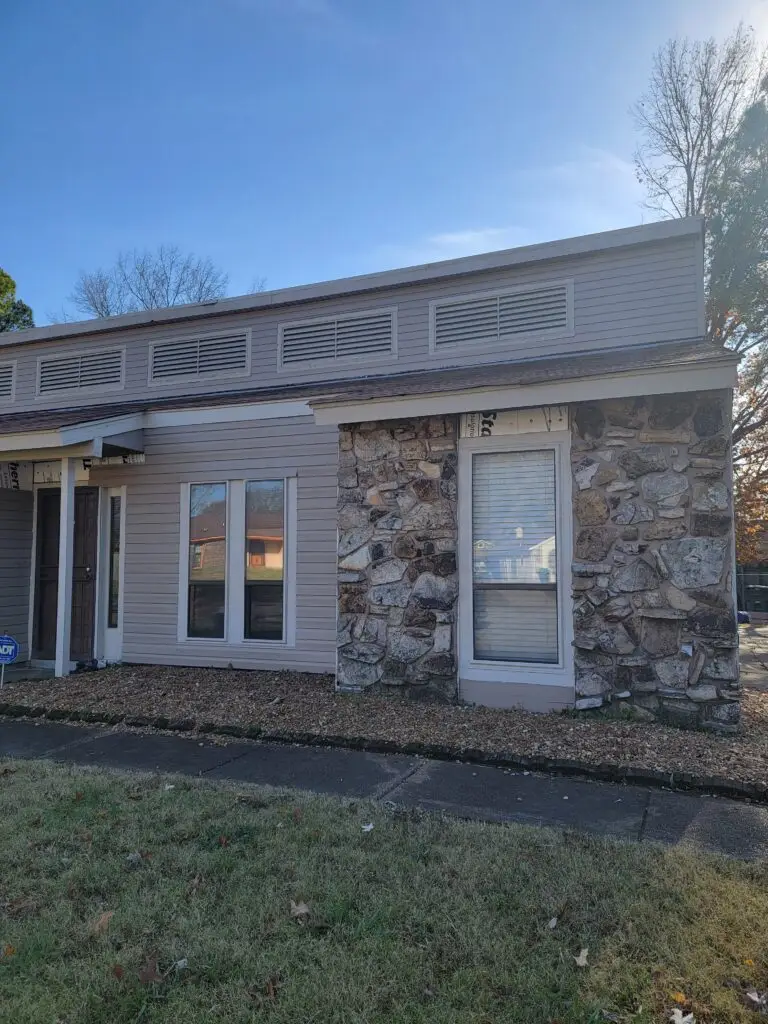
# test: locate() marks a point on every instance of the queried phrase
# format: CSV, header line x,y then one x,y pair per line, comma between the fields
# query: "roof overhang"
x,y
91,439
661,380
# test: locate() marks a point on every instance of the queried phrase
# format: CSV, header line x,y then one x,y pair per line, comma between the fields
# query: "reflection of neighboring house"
x,y
541,556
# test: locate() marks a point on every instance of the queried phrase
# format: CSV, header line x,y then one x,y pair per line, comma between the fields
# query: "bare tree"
x,y
148,280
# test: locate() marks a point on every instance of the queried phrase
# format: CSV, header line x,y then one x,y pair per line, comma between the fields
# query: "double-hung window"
x,y
236,539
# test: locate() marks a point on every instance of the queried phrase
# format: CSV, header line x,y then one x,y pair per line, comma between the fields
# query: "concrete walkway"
x,y
632,813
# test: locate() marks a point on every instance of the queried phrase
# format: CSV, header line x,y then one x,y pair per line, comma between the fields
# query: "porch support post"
x,y
66,556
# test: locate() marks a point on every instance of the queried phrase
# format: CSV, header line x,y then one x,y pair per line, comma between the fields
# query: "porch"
x,y
61,567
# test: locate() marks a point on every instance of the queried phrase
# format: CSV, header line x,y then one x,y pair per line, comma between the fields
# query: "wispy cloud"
x,y
448,245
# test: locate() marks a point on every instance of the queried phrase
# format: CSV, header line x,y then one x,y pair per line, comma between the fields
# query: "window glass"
x,y
264,559
113,603
514,556
207,560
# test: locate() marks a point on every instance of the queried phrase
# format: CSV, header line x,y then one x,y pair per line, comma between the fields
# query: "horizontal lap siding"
x,y
637,295
16,509
215,452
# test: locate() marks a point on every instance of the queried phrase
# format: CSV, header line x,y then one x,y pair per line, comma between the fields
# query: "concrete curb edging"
x,y
756,792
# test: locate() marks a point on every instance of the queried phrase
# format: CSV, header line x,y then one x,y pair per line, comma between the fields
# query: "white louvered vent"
x,y
200,358
7,371
308,342
88,370
470,320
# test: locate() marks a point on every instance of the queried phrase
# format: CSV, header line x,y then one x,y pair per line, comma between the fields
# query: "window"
x,y
206,598
238,565
514,557
264,559
113,599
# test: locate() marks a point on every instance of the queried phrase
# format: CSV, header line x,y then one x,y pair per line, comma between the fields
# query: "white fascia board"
x,y
623,385
657,232
21,454
80,432
225,414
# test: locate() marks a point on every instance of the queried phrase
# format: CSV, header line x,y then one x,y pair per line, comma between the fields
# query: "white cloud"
x,y
448,245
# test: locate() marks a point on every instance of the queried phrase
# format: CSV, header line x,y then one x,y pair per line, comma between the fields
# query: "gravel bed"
x,y
284,703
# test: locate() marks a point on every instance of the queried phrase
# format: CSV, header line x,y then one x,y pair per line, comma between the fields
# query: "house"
x,y
504,479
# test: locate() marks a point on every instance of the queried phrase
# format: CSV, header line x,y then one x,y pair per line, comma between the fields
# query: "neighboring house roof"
x,y
580,245
677,354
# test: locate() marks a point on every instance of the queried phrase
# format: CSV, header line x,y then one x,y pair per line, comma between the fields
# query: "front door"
x,y
83,573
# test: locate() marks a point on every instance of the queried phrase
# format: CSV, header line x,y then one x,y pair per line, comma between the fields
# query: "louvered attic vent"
x,y
471,320
6,382
311,342
102,370
200,358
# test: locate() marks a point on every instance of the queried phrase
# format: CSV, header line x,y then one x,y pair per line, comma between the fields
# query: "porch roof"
x,y
661,368
73,432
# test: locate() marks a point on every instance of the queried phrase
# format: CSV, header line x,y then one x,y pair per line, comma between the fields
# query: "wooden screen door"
x,y
83,573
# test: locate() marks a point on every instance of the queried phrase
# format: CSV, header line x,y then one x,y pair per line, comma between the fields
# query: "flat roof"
x,y
579,245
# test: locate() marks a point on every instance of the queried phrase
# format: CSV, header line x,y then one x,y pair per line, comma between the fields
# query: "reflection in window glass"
x,y
207,560
113,604
264,559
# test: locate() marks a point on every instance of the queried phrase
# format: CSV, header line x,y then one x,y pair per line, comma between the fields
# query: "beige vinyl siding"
x,y
16,517
211,453
629,296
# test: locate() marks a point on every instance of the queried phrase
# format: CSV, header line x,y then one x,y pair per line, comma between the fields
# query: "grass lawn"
x,y
123,899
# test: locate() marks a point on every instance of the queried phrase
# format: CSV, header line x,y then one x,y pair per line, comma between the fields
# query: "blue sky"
x,y
299,140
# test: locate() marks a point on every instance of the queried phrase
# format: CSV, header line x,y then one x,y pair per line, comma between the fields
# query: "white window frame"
x,y
319,364
94,389
234,583
512,672
476,346
14,376
108,641
190,378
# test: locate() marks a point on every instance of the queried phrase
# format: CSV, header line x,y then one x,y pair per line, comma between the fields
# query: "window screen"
x,y
514,556
207,560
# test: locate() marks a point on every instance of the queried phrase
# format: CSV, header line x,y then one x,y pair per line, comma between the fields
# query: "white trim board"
x,y
663,381
225,414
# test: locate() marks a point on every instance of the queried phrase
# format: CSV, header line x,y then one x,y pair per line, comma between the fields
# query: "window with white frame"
x,y
236,538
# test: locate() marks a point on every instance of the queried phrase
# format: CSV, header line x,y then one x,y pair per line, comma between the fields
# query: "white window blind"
x,y
514,556
6,382
312,342
472,320
103,370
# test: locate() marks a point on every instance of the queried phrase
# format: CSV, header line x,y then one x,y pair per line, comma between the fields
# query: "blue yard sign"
x,y
9,652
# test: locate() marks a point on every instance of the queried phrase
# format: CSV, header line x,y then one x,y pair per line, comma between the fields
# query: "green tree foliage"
x,y
15,315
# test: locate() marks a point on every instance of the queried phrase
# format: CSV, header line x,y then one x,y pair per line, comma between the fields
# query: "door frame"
x,y
53,486
507,683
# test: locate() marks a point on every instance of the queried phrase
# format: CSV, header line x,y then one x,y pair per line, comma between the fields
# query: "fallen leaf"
x,y
7,951
678,997
118,972
749,963
195,884
368,827
148,973
100,925
7,771
297,814
552,924
78,796
755,1001
678,1017
169,786
223,840
300,911
180,965
612,1017
581,959
271,987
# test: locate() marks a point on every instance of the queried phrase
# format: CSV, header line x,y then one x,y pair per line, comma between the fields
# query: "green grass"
x,y
421,919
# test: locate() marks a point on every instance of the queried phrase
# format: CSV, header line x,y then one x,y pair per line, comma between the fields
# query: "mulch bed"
x,y
300,707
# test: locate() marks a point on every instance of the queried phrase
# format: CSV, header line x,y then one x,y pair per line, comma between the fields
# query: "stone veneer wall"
x,y
397,574
652,575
